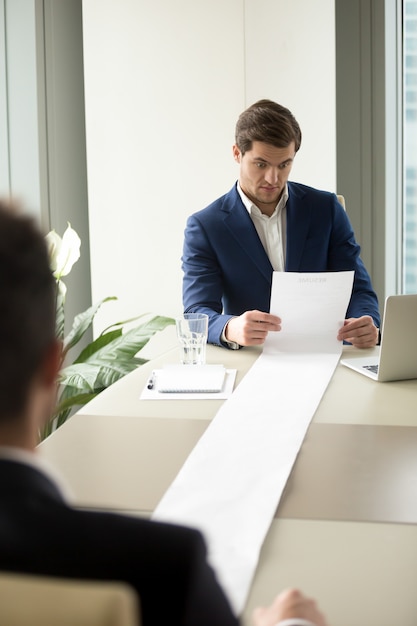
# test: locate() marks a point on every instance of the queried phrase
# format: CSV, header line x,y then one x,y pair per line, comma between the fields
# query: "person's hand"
x,y
359,331
290,604
251,328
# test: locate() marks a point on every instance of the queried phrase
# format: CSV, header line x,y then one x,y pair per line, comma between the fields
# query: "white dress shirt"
x,y
271,230
272,233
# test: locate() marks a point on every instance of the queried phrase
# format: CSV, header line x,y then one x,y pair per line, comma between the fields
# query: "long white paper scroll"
x,y
231,483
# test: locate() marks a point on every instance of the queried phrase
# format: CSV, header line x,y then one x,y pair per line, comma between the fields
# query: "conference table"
x,y
345,529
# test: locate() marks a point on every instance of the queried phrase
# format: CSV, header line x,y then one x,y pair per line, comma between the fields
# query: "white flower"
x,y
63,253
53,241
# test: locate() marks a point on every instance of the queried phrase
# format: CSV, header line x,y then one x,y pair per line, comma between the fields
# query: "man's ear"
x,y
52,363
236,154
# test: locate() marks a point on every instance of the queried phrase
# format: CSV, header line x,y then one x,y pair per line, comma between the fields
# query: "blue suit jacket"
x,y
227,271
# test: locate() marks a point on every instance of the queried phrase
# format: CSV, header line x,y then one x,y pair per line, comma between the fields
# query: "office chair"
x,y
342,201
29,600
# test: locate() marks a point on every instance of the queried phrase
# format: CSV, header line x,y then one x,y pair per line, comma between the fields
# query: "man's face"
x,y
264,170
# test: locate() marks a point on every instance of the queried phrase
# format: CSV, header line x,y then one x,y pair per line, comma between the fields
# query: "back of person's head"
x,y
268,122
27,307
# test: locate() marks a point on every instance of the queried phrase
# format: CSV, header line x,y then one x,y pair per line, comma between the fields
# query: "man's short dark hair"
x,y
268,122
27,307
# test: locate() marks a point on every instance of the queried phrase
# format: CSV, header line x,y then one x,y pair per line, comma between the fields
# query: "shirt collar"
x,y
249,204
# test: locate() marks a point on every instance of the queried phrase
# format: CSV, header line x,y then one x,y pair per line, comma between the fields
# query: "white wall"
x,y
164,84
290,58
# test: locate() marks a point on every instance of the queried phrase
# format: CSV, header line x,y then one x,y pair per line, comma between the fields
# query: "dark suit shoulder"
x,y
299,190
22,482
165,563
225,203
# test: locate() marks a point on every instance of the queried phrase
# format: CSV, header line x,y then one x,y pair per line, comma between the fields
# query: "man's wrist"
x,y
233,345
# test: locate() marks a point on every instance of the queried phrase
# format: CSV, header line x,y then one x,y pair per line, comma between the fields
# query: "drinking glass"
x,y
192,329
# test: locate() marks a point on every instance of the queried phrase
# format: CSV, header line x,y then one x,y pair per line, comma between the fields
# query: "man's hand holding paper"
x,y
359,331
305,303
252,327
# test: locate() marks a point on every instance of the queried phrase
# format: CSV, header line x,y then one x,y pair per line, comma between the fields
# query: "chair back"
x,y
342,201
29,600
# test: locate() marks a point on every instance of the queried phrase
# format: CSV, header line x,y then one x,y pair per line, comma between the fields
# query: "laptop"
x,y
397,359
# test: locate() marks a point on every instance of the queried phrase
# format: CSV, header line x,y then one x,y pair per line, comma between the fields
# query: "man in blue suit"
x,y
265,224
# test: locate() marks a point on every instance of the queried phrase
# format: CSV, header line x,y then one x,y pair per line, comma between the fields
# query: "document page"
x,y
312,307
232,482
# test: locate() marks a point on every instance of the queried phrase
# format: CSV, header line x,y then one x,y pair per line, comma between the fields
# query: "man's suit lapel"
x,y
298,224
241,227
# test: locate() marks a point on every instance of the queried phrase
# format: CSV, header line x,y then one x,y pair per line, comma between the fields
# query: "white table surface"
x,y
346,528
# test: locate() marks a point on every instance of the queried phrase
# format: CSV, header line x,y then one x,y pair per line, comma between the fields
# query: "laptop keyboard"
x,y
371,368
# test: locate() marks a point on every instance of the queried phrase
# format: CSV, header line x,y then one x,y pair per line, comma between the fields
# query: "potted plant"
x,y
112,355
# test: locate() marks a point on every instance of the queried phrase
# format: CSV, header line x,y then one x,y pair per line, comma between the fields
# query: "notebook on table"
x,y
397,359
190,379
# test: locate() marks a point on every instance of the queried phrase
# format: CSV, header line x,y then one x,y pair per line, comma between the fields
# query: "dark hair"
x,y
268,122
27,307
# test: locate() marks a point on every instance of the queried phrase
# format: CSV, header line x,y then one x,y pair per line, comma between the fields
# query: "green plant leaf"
x,y
96,375
123,322
47,430
104,361
78,400
82,323
99,343
60,315
70,398
110,358
132,341
113,350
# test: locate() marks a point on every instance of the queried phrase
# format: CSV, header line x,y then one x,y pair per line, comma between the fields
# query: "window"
x,y
410,146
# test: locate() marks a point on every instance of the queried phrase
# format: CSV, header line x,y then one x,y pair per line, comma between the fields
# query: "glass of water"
x,y
192,329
